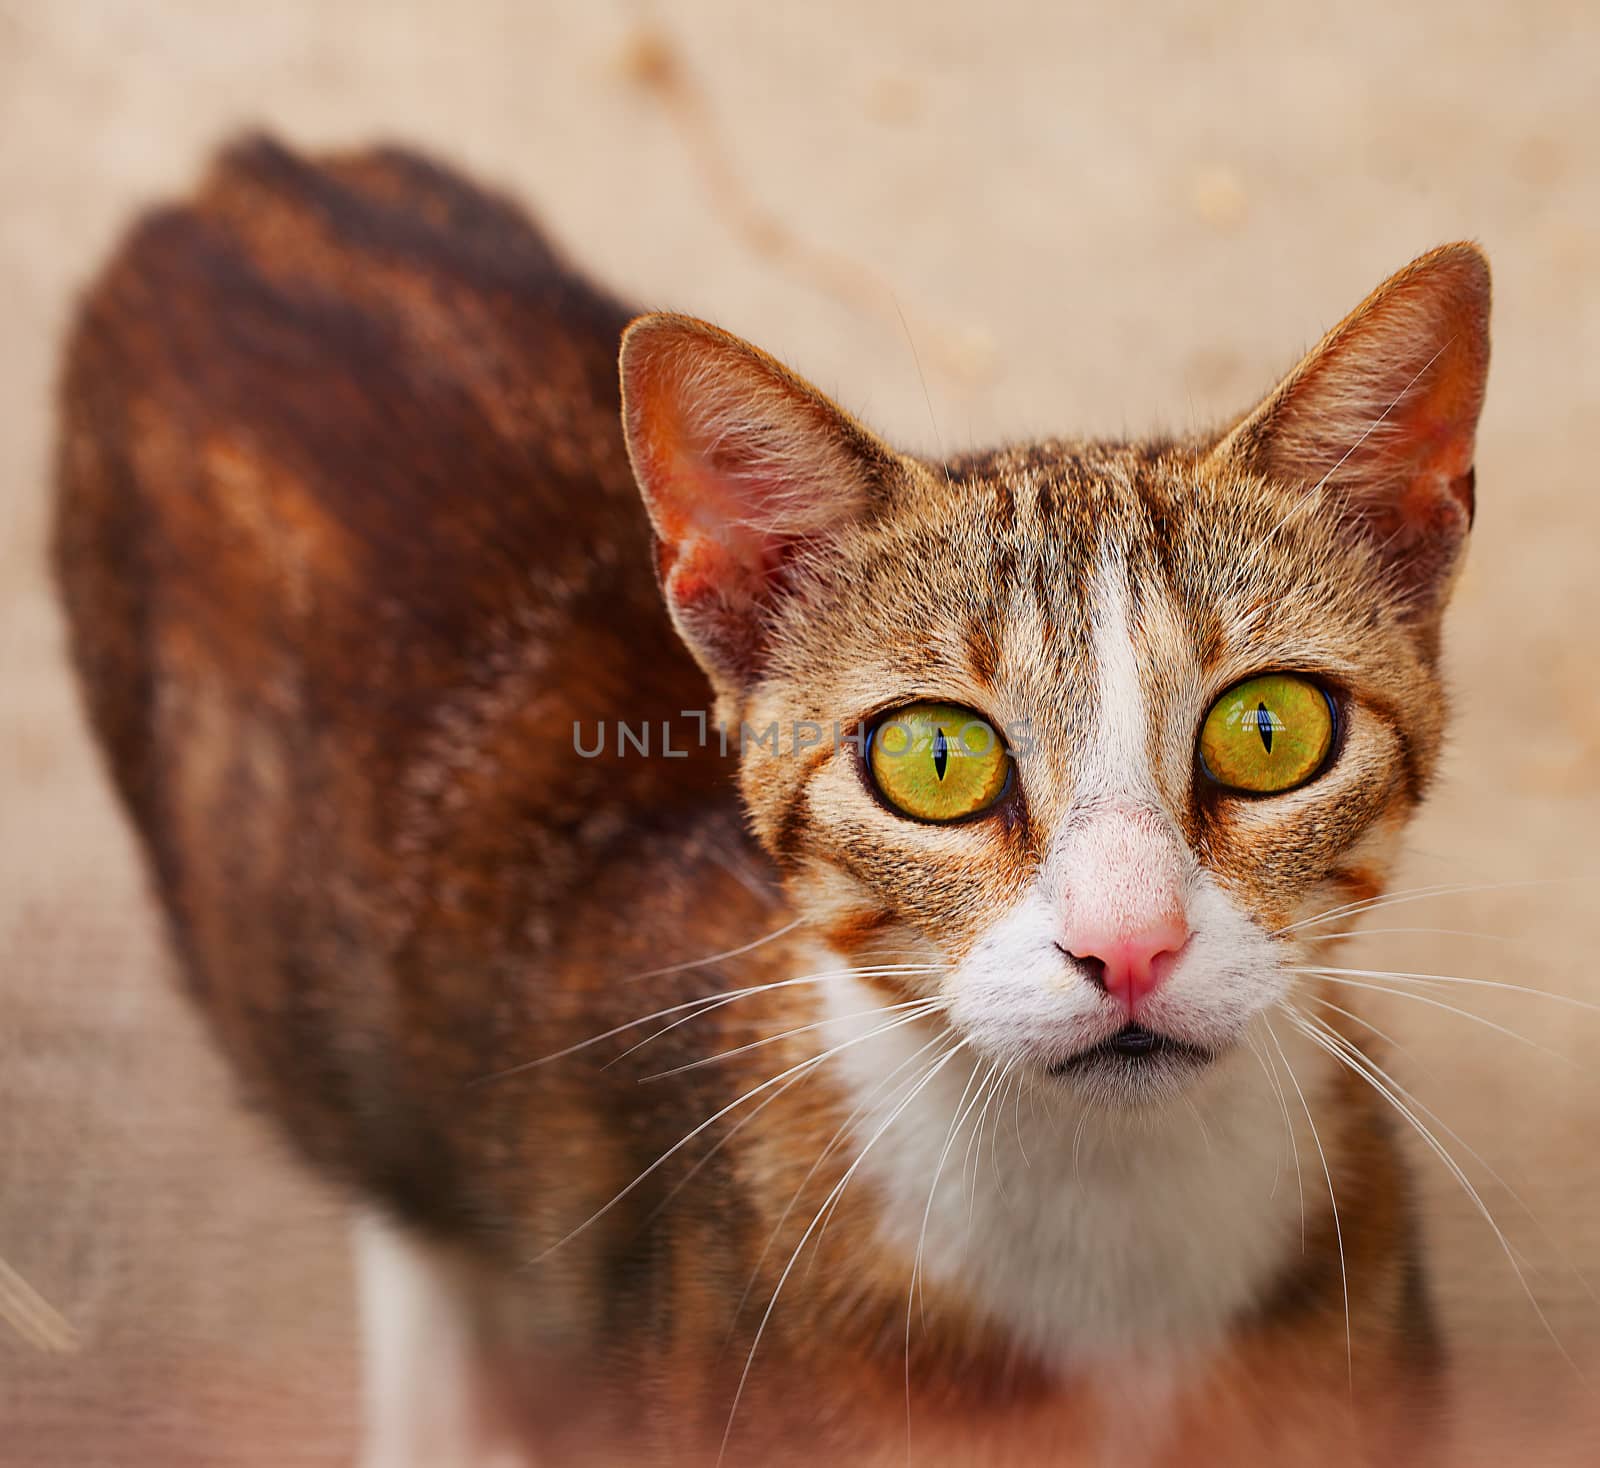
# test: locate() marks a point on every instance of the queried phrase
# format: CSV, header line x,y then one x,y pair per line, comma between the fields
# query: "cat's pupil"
x,y
941,753
1264,726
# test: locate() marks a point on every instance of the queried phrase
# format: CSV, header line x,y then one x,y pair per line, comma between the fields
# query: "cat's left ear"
x,y
744,468
1377,424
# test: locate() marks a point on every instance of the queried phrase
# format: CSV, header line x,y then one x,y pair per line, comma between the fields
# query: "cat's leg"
x,y
427,1397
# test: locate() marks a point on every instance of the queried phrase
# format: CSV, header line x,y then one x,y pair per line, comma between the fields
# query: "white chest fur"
x,y
1087,1234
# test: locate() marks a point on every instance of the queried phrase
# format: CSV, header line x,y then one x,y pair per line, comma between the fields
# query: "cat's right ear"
x,y
744,468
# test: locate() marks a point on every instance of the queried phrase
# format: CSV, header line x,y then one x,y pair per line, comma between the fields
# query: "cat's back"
x,y
354,418
349,542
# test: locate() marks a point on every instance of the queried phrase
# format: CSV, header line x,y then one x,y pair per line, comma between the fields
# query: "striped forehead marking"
x,y
1117,761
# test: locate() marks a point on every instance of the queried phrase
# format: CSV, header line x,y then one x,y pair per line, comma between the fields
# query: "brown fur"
x,y
349,541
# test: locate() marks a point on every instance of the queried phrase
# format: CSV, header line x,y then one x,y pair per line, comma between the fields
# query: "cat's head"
x,y
1071,736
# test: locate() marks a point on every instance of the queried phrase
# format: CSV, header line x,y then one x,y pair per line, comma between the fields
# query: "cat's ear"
x,y
1376,425
743,467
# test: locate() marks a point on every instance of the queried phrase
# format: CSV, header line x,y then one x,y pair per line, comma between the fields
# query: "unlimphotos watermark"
x,y
667,739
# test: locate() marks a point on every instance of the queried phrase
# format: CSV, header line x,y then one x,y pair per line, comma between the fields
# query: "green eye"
x,y
1267,734
938,761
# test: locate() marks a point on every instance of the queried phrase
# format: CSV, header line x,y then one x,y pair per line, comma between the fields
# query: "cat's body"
x,y
352,550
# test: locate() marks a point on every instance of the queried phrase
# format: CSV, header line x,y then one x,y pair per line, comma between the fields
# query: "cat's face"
x,y
1093,608
991,728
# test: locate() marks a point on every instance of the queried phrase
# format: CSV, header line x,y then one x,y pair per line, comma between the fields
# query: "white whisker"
x,y
1431,932
702,1004
1009,1081
1408,895
1413,1100
1327,1173
957,1116
1199,1121
838,1189
927,1006
1428,999
1283,1106
743,948
1371,1029
1016,1116
991,1084
1358,1063
1380,973
808,1064
750,1116
1077,1142
832,1146
885,970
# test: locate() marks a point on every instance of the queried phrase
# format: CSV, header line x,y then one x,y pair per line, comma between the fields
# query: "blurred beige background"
x,y
1089,222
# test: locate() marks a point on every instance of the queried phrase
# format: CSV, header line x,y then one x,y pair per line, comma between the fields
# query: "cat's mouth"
x,y
1134,1048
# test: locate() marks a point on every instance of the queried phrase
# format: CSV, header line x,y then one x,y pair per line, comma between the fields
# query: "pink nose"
x,y
1131,967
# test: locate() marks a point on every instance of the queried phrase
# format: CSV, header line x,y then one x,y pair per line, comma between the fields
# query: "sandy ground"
x,y
1088,222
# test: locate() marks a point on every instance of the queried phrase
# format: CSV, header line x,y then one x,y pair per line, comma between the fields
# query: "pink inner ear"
x,y
702,569
1387,407
739,462
711,544
1431,452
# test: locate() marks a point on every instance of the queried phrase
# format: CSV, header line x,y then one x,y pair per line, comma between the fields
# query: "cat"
x,y
789,948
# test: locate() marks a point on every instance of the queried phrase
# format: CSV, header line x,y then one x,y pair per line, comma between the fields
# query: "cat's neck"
x,y
1085,1234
